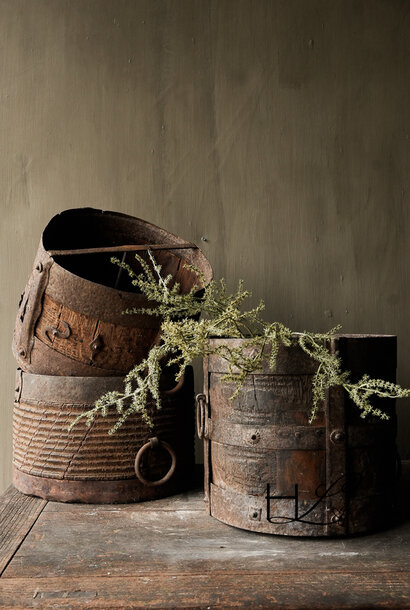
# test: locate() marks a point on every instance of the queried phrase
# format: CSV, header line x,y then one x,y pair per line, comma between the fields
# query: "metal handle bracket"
x,y
201,416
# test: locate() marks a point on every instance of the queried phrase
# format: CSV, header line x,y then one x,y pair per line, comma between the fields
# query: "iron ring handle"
x,y
200,415
152,444
176,388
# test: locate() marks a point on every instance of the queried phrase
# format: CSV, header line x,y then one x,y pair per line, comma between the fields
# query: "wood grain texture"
x,y
278,130
336,590
182,538
169,553
18,513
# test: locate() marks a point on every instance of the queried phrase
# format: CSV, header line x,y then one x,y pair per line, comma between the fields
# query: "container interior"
x,y
86,228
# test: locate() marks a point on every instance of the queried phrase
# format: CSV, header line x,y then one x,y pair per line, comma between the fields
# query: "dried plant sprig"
x,y
185,336
167,301
141,387
361,391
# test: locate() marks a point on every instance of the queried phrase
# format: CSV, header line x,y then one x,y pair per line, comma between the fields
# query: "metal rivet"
x,y
256,513
337,516
298,434
255,437
337,436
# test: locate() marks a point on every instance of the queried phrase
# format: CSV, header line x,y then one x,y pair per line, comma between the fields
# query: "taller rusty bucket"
x,y
268,470
70,319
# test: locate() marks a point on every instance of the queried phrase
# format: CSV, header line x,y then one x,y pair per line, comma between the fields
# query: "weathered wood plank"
x,y
308,589
18,513
170,553
139,539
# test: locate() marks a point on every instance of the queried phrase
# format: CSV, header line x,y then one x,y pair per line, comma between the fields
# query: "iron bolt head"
x,y
255,437
337,436
338,516
255,514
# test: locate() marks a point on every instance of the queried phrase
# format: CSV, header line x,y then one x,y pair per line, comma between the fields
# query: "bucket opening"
x,y
86,228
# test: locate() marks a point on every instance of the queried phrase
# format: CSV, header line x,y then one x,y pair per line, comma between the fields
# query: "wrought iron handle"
x,y
53,330
175,389
154,443
200,414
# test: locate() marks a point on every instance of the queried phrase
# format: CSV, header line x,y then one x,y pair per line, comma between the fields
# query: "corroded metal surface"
x,y
121,491
91,341
268,470
87,464
70,319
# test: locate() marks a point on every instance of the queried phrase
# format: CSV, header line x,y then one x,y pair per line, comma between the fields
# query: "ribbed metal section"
x,y
43,446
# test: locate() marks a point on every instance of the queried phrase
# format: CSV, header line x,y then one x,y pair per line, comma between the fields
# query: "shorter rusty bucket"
x,y
134,464
71,318
268,470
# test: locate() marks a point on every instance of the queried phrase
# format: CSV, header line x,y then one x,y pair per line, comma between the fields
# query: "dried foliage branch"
x,y
190,320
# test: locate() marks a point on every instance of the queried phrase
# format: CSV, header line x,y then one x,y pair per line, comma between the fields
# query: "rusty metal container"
x,y
268,470
70,319
87,465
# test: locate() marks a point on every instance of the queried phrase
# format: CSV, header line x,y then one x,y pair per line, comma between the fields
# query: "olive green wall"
x,y
278,130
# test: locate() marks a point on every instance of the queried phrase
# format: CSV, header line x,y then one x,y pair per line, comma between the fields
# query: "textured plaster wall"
x,y
279,130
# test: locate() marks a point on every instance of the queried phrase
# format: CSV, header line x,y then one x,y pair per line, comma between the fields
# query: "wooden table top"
x,y
171,554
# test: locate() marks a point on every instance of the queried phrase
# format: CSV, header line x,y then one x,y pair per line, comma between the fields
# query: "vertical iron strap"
x,y
207,442
336,501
